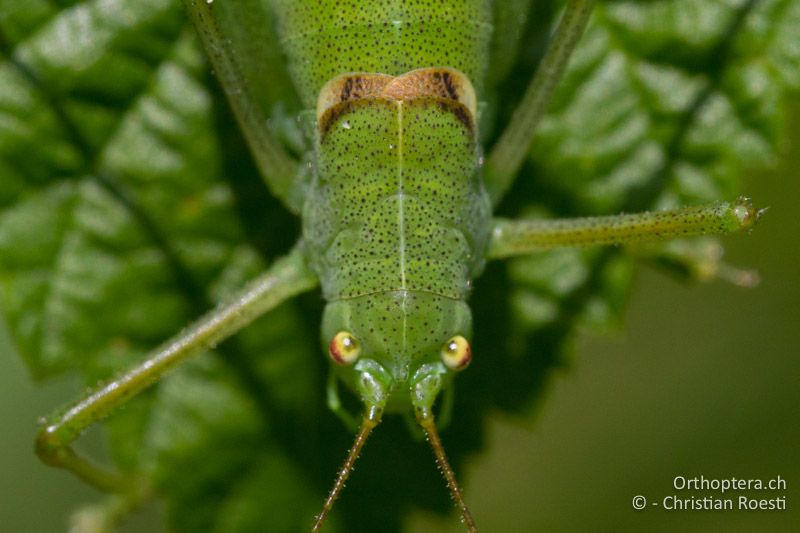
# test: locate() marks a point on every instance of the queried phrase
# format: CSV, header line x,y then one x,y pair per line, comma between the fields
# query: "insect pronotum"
x,y
396,212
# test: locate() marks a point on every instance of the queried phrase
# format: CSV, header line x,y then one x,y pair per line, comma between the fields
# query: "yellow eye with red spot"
x,y
457,353
344,348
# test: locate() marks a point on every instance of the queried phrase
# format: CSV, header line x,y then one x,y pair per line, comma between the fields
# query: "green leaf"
x,y
128,205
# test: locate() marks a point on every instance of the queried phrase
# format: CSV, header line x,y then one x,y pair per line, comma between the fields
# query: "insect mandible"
x,y
396,201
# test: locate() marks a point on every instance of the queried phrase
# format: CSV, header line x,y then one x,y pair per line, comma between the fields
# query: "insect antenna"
x,y
428,424
367,425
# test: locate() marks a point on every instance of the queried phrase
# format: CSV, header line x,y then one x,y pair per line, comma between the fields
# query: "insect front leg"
x,y
509,152
288,277
517,237
278,168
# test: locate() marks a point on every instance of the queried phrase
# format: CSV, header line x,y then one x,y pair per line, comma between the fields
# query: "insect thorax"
x,y
397,203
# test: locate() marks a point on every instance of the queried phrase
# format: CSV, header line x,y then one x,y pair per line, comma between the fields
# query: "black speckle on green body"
x,y
397,203
397,223
326,38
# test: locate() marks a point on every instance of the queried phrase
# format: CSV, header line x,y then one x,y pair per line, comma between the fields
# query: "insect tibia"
x,y
515,237
698,260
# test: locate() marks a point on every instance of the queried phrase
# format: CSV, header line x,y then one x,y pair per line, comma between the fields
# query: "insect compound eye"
x,y
457,353
344,348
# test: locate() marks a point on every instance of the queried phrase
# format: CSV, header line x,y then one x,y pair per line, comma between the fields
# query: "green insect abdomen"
x,y
326,38
397,203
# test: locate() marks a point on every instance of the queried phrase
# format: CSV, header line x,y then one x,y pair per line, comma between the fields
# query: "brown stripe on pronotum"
x,y
446,85
349,87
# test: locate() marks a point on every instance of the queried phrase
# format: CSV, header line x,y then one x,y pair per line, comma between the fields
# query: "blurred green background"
x,y
702,380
